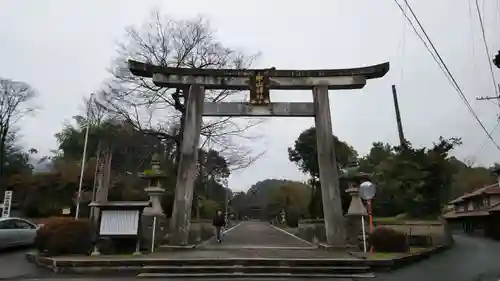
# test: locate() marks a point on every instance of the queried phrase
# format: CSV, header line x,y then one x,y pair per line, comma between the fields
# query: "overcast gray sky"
x,y
62,48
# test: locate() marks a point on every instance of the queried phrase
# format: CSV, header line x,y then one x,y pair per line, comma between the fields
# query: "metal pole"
x,y
153,235
79,196
364,232
227,199
227,207
370,217
398,116
94,191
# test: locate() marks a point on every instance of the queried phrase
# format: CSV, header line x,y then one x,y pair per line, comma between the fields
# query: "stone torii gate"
x,y
259,82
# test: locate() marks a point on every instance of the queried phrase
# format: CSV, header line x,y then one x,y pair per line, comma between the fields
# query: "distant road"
x,y
13,264
471,259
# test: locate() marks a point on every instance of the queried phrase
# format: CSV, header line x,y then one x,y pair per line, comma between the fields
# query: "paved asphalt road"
x,y
472,259
179,279
14,265
256,234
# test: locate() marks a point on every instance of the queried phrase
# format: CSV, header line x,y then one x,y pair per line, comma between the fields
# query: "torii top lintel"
x,y
241,79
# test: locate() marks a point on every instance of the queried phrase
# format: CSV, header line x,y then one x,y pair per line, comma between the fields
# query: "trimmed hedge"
x,y
384,239
292,219
64,236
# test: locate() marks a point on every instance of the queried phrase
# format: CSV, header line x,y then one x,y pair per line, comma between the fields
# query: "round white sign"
x,y
367,190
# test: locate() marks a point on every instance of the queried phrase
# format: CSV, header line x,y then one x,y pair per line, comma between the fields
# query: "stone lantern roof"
x,y
155,172
352,173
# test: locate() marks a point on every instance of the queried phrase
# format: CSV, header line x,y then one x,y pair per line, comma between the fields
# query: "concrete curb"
x,y
128,266
175,247
77,268
132,267
410,259
258,276
384,265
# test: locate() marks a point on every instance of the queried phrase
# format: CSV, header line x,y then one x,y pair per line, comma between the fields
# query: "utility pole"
x,y
226,207
487,98
490,98
84,155
103,175
402,140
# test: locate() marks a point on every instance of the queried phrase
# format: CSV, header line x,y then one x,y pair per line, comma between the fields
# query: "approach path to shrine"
x,y
254,234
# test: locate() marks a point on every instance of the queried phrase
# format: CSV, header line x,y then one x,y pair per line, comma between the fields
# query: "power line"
x,y
496,98
484,141
445,68
472,37
403,48
474,63
490,62
421,38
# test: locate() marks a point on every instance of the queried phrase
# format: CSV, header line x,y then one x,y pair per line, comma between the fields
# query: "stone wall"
x,y
312,230
437,232
161,230
433,232
201,230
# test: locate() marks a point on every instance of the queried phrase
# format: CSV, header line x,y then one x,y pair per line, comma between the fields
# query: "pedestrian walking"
x,y
219,222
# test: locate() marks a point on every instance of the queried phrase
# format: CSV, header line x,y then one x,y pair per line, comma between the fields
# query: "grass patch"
x,y
384,256
398,218
389,256
414,250
401,218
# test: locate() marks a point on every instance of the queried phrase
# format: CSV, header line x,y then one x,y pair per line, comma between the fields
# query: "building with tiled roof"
x,y
475,210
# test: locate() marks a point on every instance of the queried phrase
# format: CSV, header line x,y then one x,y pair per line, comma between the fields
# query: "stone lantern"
x,y
154,189
155,192
356,208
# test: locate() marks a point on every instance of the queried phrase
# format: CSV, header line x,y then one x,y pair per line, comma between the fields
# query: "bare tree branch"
x,y
176,43
15,98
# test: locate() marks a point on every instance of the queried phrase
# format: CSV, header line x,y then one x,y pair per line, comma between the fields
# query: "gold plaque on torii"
x,y
259,89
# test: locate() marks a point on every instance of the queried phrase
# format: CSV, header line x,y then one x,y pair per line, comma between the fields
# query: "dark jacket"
x,y
219,221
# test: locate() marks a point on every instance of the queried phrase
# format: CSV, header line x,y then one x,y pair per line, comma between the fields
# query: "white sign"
x,y
119,222
7,201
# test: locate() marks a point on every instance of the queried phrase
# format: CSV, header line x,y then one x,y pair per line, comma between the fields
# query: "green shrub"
x,y
292,219
64,236
384,239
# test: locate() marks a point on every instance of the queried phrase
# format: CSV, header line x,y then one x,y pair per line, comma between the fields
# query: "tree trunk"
x,y
3,140
179,137
178,143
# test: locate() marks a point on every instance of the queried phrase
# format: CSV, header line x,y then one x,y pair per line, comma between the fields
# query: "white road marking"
x,y
294,236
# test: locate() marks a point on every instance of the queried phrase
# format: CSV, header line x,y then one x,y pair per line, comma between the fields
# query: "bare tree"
x,y
15,104
177,43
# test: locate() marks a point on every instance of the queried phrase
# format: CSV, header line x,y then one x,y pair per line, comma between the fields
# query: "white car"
x,y
16,232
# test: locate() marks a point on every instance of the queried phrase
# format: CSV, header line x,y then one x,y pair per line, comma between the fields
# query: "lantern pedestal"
x,y
355,217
